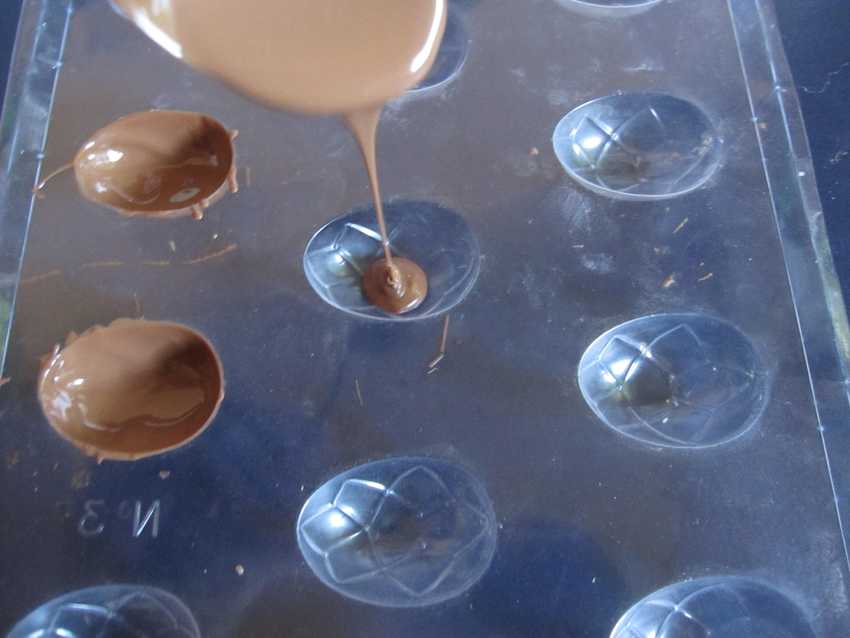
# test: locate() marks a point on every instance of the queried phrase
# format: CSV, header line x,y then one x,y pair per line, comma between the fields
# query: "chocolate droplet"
x,y
397,288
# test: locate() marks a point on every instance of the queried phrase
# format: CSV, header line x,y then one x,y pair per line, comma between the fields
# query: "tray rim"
x,y
815,289
40,43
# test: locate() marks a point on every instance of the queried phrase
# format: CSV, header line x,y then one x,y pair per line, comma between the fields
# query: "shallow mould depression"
x,y
110,610
436,238
403,532
638,146
675,380
720,607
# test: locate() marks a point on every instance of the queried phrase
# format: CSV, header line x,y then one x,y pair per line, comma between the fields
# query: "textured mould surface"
x,y
723,607
111,611
674,380
399,533
638,146
436,238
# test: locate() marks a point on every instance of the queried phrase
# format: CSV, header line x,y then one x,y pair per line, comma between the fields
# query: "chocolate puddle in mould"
x,y
132,389
157,164
325,57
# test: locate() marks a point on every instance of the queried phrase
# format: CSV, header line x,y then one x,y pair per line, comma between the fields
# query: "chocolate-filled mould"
x,y
157,164
132,389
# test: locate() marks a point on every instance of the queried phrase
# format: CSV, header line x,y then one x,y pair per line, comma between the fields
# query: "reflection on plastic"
x,y
405,532
674,380
450,57
111,611
435,238
609,8
638,146
726,607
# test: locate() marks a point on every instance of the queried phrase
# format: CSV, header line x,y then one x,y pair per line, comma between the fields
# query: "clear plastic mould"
x,y
437,239
621,411
638,146
399,533
720,607
686,381
110,611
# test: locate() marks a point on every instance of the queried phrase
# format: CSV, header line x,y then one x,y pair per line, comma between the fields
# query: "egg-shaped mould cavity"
x,y
402,532
110,611
675,380
158,164
132,389
718,607
435,238
638,146
451,56
609,8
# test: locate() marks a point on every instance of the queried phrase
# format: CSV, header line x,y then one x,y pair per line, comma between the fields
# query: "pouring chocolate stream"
x,y
322,57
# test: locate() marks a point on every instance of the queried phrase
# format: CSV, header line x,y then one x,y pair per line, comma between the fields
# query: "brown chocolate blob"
x,y
396,288
158,164
313,56
132,389
344,57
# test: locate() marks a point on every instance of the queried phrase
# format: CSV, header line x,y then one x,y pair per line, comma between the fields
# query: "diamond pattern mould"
x,y
404,532
725,607
112,611
436,238
686,381
638,146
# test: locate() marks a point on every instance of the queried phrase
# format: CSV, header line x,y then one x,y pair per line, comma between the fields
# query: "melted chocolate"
x,y
157,164
313,56
392,286
132,389
397,288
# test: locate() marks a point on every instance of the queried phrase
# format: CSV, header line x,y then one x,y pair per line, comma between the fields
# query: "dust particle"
x,y
240,570
81,479
357,392
12,459
164,474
